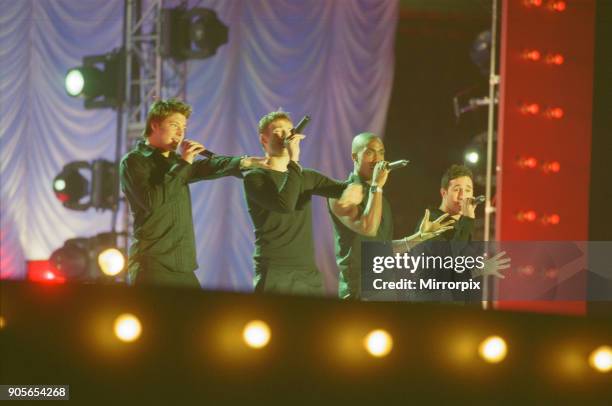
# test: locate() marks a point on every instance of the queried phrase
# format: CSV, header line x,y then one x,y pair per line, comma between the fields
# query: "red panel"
x,y
557,136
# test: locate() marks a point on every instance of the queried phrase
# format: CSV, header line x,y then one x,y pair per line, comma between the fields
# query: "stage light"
x,y
528,215
528,162
551,273
531,55
104,185
256,334
481,52
601,359
71,187
527,270
378,343
127,328
75,82
191,34
89,259
111,261
532,3
551,167
493,349
557,5
552,219
555,59
100,80
2,322
554,113
472,157
530,108
72,260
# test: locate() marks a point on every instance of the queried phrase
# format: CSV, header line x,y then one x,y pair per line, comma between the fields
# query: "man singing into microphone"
x,y
457,193
370,219
279,203
155,180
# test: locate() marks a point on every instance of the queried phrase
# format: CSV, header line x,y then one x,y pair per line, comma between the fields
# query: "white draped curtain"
x,y
331,59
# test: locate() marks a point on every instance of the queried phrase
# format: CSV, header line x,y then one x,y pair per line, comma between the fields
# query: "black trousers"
x,y
289,280
149,273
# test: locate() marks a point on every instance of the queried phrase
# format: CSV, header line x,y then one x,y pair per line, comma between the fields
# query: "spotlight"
x,y
100,80
72,260
378,343
70,186
191,34
89,259
481,52
601,359
75,82
472,157
127,327
493,349
256,334
111,261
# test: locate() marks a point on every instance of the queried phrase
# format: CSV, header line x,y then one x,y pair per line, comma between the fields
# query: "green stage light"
x,y
99,81
75,82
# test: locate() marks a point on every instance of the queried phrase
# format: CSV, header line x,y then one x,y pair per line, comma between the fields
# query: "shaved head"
x,y
360,141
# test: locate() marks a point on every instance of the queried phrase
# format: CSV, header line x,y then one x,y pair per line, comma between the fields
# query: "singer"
x,y
369,219
155,180
279,203
457,193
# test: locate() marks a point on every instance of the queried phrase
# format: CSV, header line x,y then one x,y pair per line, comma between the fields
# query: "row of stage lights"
x,y
551,58
81,259
378,343
533,109
551,5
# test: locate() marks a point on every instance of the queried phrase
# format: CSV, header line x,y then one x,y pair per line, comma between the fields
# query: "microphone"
x,y
301,125
478,200
207,154
397,164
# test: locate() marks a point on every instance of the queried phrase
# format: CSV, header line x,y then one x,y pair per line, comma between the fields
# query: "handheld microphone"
x,y
207,154
301,125
397,164
478,200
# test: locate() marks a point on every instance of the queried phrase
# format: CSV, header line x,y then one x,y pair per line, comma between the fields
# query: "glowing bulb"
x,y
378,343
472,157
601,359
111,261
558,6
493,349
127,327
532,55
2,322
59,185
256,334
555,59
74,82
530,108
